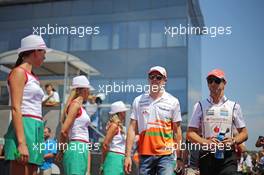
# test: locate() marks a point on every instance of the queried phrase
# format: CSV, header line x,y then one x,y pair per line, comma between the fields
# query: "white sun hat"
x,y
33,42
101,95
118,106
80,82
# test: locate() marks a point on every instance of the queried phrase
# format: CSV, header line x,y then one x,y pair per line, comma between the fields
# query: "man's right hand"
x,y
214,140
128,165
210,141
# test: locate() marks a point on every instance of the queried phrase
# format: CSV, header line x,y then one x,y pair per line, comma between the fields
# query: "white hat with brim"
x,y
118,106
80,82
101,96
33,42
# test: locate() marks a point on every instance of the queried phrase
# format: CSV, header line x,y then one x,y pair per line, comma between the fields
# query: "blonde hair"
x,y
114,118
71,97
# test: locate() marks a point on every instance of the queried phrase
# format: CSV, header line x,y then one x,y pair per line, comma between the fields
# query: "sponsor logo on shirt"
x,y
145,112
144,103
163,108
223,112
210,112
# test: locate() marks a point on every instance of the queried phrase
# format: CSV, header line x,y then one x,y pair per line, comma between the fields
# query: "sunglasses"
x,y
214,79
158,77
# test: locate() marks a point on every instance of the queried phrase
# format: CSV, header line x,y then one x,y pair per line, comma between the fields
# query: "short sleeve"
x,y
238,117
196,116
176,116
133,114
56,97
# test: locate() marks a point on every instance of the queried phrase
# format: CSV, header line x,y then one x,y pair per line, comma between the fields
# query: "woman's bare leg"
x,y
18,168
32,169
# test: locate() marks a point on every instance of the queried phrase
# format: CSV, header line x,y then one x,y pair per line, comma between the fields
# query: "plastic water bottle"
x,y
219,154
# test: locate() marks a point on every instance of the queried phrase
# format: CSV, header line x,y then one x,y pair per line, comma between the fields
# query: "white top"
x,y
212,118
53,98
79,129
247,162
118,143
32,97
154,120
148,111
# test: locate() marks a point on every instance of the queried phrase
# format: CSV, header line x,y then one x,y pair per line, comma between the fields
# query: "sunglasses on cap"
x,y
210,80
158,77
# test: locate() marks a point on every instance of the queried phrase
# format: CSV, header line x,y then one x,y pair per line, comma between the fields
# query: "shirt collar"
x,y
164,94
222,100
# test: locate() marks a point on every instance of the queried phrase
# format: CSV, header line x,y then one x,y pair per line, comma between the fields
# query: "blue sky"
x,y
240,55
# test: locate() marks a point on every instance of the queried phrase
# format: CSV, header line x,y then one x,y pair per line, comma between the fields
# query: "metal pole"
x,y
65,88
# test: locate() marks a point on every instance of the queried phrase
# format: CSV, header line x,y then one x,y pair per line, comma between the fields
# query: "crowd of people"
x,y
153,139
252,163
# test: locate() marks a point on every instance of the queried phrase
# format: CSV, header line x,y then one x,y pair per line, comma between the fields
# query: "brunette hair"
x,y
21,55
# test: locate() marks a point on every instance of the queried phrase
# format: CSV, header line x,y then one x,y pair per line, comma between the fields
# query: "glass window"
x,y
5,40
182,97
118,90
59,43
157,34
176,2
82,8
102,41
120,5
42,10
138,34
139,4
158,3
62,8
102,6
79,43
176,40
45,38
176,84
3,46
119,36
14,42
